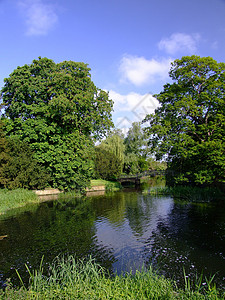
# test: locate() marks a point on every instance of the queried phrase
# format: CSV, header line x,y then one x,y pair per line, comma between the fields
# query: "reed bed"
x,y
71,279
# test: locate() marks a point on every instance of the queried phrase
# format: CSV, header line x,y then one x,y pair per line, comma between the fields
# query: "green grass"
x,y
13,199
69,279
109,185
99,182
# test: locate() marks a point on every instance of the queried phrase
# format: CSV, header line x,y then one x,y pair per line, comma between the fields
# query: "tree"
x,y
21,170
109,158
107,165
4,154
188,128
115,145
59,112
135,150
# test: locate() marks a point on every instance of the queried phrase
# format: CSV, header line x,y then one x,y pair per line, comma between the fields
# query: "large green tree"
x,y
188,128
59,112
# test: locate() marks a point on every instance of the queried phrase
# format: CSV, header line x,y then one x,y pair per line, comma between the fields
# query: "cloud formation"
x,y
180,42
140,71
39,16
132,107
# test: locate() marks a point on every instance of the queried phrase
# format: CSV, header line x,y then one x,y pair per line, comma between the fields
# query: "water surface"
x,y
123,231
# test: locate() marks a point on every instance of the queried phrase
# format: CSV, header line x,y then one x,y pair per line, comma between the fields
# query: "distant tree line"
x,y
118,154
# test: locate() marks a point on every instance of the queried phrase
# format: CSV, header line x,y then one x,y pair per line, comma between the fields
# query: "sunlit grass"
x,y
12,199
71,279
109,185
99,182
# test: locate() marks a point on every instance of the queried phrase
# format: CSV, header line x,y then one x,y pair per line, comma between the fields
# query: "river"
x,y
124,230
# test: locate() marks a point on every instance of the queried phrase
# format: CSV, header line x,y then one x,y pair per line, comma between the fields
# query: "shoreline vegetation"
x,y
71,279
12,200
18,198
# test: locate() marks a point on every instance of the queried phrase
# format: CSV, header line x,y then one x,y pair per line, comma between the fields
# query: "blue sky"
x,y
128,45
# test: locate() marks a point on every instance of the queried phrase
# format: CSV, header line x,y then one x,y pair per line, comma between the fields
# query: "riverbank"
x,y
13,199
69,279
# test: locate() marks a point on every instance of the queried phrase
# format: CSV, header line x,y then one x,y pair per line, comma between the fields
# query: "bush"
x,y
20,169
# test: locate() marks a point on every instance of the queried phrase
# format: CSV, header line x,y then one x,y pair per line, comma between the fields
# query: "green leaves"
x,y
19,168
190,121
56,108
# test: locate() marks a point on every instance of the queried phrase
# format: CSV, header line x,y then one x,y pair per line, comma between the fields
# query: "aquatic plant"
x,y
68,278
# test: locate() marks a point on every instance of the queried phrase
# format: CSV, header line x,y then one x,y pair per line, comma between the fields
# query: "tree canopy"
x,y
109,158
59,112
188,128
135,150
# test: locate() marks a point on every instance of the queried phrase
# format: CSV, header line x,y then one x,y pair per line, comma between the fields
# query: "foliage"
x,y
71,279
135,140
18,168
156,165
135,150
4,153
114,144
188,128
109,159
21,169
112,186
58,111
107,165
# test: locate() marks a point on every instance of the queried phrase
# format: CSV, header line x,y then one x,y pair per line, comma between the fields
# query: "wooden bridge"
x,y
136,178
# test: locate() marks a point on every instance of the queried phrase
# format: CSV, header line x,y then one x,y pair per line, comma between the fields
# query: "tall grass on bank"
x,y
190,194
69,279
110,186
10,199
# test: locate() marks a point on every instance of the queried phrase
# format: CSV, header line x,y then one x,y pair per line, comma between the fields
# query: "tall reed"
x,y
10,199
68,278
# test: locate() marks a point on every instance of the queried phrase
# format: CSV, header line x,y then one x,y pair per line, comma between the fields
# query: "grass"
x,y
98,182
109,185
71,279
13,199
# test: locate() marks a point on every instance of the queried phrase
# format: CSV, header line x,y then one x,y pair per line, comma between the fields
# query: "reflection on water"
x,y
123,230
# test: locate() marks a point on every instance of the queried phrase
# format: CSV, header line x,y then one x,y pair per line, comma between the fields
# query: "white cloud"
x,y
179,42
140,71
40,17
132,107
123,123
125,102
